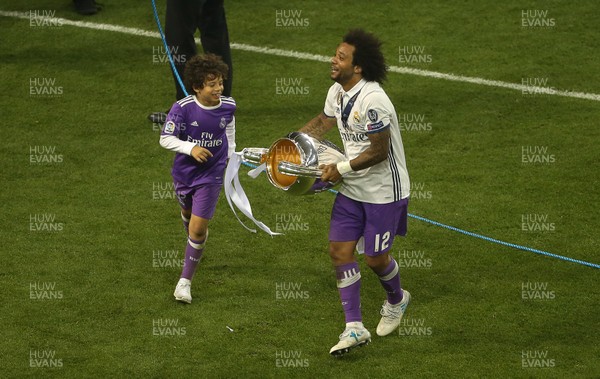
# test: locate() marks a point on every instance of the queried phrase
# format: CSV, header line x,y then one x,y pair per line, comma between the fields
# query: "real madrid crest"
x,y
223,123
356,117
339,98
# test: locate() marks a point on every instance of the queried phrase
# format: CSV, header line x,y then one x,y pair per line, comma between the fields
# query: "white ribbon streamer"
x,y
255,172
234,193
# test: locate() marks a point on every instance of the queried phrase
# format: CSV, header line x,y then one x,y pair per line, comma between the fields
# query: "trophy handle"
x,y
256,155
294,169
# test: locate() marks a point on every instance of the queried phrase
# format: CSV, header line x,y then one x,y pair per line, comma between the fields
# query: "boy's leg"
x,y
186,215
204,202
195,245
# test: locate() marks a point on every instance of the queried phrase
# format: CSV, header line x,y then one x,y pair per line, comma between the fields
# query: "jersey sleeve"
x,y
175,144
174,123
376,112
330,101
230,133
169,135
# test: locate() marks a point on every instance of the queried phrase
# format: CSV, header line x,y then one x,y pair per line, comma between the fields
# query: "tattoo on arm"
x,y
375,153
318,126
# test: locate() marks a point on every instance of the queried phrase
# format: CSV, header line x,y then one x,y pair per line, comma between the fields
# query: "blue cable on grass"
x,y
489,239
471,234
485,238
162,36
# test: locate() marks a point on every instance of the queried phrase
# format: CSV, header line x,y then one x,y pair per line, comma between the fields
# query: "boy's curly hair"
x,y
201,68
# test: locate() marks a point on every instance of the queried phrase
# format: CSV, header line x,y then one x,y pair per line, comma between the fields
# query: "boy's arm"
x,y
173,143
230,133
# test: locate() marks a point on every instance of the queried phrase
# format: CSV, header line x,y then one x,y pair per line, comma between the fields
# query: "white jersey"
x,y
371,112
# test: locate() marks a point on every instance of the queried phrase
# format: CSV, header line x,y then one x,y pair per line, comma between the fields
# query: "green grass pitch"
x,y
92,239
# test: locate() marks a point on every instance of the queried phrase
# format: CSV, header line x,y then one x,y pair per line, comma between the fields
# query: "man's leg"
x,y
348,278
383,223
386,269
345,230
180,25
214,36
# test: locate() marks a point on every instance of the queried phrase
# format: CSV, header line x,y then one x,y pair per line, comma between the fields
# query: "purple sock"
x,y
193,253
186,223
390,280
348,283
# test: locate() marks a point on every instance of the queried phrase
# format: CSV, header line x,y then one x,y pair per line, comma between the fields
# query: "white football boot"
x,y
391,315
182,291
351,338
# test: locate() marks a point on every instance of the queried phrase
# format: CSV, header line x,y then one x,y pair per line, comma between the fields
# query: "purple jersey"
x,y
205,126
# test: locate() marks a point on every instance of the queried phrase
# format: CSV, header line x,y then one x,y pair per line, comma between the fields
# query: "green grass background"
x,y
470,162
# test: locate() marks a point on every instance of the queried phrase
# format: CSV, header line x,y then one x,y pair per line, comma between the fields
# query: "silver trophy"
x,y
292,162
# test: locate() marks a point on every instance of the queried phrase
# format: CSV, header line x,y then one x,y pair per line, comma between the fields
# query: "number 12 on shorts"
x,y
382,242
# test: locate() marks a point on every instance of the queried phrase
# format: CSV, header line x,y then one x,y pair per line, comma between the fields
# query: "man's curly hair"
x,y
367,54
201,68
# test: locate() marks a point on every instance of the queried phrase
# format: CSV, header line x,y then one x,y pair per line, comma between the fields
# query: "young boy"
x,y
200,128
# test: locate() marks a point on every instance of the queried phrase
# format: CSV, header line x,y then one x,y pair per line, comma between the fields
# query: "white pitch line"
x,y
316,57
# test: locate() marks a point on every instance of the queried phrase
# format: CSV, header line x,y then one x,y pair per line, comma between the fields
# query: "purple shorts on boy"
x,y
201,199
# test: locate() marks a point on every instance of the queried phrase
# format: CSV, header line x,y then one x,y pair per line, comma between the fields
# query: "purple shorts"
x,y
378,223
201,199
